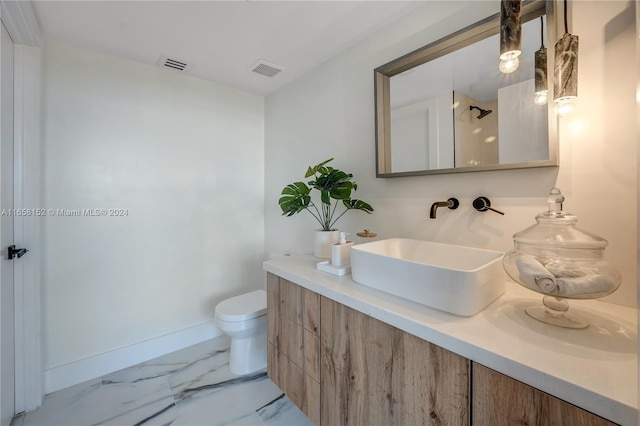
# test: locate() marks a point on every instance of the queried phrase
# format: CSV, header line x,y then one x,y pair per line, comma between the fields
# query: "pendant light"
x,y
510,35
541,88
565,85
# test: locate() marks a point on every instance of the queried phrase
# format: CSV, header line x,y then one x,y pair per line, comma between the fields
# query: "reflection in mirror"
x,y
447,108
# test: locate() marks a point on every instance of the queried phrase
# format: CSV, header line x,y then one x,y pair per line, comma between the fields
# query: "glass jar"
x,y
556,258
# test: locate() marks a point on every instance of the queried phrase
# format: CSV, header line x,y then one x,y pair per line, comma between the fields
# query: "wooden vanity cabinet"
x,y
293,348
342,367
499,400
375,374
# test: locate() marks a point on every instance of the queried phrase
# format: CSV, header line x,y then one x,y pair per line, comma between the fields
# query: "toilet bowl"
x,y
244,319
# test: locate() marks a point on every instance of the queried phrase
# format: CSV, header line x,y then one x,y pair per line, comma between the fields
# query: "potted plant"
x,y
335,188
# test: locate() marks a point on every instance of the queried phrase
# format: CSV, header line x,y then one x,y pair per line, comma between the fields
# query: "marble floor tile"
x,y
283,412
207,371
224,401
169,364
150,402
251,419
189,387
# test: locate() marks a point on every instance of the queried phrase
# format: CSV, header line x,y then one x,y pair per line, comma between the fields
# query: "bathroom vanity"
x,y
348,354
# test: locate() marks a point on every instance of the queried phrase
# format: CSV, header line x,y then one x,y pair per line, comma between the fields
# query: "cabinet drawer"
x,y
293,357
499,400
300,387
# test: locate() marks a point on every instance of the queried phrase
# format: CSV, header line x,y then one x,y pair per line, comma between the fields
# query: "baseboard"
x,y
66,375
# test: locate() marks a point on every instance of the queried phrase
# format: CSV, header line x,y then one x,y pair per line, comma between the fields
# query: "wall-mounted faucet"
x,y
451,204
482,204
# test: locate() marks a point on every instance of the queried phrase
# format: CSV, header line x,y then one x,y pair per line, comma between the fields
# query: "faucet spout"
x,y
451,204
434,208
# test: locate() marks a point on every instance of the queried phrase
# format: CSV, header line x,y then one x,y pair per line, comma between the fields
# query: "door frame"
x,y
22,25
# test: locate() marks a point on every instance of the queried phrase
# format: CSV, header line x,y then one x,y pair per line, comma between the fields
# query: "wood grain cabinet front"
x,y
342,367
375,374
294,343
499,400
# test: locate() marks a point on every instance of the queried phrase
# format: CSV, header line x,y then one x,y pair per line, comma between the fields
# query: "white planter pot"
x,y
323,242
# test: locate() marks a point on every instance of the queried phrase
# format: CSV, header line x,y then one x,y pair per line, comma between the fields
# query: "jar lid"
x,y
558,228
367,234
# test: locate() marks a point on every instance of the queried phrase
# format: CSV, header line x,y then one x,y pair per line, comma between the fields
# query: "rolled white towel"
x,y
536,276
568,268
588,284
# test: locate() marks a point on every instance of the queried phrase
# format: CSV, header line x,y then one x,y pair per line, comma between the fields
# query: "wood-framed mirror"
x,y
447,108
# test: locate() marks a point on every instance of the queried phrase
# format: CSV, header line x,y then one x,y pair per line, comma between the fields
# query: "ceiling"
x,y
221,40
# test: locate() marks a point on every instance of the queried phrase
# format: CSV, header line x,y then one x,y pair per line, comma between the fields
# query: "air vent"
x,y
173,63
265,68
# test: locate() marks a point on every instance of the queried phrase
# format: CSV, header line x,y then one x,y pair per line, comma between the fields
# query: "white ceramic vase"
x,y
323,242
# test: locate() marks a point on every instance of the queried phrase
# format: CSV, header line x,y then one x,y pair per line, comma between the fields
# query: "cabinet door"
x,y
499,400
293,343
374,374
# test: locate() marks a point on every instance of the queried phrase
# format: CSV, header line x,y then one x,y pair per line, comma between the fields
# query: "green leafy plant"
x,y
333,184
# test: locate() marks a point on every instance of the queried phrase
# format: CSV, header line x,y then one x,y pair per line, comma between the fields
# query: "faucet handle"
x,y
482,204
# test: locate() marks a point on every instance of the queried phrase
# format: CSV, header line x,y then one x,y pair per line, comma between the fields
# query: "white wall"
x,y
330,113
185,158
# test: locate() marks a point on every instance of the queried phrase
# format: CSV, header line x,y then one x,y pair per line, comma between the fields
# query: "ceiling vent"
x,y
173,64
265,68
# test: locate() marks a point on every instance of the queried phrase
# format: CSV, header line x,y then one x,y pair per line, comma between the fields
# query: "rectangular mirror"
x,y
447,108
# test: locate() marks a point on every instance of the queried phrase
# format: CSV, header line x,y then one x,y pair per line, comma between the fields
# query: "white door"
x,y
7,354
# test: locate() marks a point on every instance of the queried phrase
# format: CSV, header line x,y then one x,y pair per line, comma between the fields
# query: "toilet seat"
x,y
243,307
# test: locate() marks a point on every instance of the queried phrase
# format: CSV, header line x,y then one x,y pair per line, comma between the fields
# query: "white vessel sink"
x,y
456,279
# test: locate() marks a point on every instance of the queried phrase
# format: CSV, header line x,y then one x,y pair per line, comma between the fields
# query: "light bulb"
x,y
509,61
565,106
509,65
541,97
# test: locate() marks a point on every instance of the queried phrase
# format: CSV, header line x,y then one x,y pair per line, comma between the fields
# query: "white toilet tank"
x,y
243,307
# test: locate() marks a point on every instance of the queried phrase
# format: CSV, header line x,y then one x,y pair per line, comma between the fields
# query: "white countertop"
x,y
594,368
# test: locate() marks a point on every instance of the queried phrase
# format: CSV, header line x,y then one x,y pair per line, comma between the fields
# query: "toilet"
x,y
244,319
